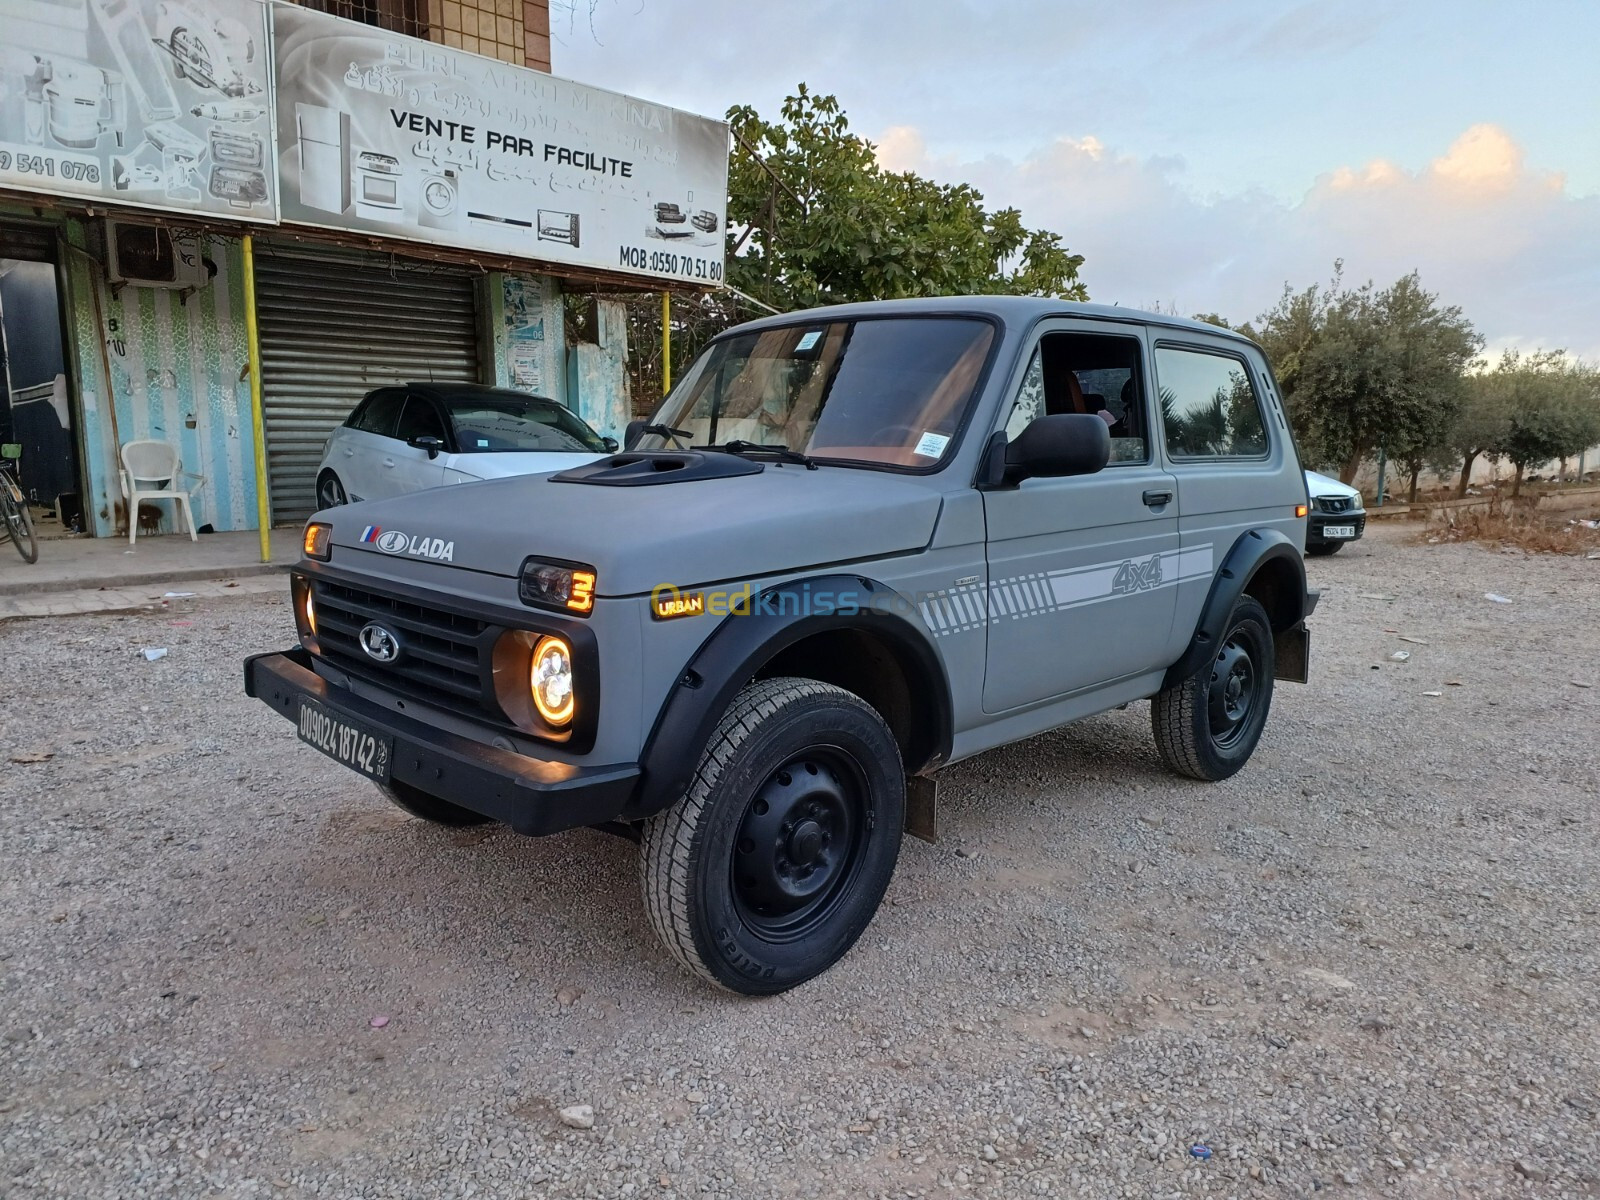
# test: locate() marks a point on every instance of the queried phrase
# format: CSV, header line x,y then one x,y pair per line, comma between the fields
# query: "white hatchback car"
x,y
421,435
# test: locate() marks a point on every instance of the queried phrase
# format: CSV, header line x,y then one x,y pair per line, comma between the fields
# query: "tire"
x,y
330,492
811,775
1208,725
18,522
1318,549
430,808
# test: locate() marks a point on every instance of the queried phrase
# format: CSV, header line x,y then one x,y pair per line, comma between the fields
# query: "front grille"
x,y
1334,504
444,657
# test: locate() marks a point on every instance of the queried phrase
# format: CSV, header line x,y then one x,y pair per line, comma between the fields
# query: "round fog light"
x,y
550,678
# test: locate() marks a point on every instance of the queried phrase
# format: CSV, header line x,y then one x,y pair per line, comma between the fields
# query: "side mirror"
x,y
634,429
1058,444
426,441
610,443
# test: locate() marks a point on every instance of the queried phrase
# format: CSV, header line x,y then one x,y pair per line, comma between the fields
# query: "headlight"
x,y
566,586
305,609
318,540
550,679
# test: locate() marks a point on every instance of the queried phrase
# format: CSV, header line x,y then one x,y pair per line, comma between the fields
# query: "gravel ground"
x,y
1367,964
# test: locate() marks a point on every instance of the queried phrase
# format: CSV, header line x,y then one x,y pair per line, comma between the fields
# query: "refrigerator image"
x,y
324,135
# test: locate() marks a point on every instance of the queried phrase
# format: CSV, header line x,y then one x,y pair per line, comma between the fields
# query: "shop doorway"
x,y
36,412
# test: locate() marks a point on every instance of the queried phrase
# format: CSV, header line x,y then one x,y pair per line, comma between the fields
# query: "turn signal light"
x,y
1300,510
318,540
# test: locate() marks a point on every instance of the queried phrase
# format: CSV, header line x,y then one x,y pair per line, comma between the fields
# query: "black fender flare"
x,y
1254,550
736,650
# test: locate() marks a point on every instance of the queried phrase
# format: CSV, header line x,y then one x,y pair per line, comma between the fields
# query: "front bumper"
x,y
533,796
1318,521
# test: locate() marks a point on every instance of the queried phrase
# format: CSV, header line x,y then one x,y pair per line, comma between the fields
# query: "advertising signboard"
x,y
403,138
161,104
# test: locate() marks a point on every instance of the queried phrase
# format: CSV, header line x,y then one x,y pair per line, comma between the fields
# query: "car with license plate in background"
x,y
851,546
422,435
1337,516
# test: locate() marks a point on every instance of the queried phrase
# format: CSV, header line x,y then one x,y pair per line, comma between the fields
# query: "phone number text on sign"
x,y
659,262
31,163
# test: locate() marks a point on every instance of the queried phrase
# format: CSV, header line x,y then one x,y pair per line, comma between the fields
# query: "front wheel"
x,y
18,521
1207,725
767,871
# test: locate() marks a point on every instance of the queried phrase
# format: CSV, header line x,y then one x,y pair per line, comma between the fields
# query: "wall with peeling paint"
x,y
152,365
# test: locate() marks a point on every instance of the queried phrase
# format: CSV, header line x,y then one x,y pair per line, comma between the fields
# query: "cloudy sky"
x,y
1199,153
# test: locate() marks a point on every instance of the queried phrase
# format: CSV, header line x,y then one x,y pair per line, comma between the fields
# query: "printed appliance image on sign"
x,y
391,135
157,103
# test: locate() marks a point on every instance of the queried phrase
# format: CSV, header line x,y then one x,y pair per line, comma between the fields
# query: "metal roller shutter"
x,y
335,327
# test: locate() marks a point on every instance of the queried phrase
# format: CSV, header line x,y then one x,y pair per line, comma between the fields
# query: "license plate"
x,y
345,741
1338,531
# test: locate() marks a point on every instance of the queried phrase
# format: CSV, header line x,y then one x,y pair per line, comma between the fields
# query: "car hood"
x,y
780,519
503,464
1321,485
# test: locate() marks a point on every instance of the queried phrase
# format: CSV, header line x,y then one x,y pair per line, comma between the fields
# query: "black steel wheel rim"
x,y
1234,690
800,844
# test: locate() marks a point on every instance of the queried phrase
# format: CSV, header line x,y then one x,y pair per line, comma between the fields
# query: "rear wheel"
x,y
18,521
429,808
1318,549
330,492
1208,725
773,864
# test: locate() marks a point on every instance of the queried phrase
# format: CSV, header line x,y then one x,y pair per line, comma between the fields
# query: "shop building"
x,y
409,210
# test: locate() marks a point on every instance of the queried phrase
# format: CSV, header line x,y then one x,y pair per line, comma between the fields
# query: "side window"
x,y
1096,374
379,414
420,419
1208,405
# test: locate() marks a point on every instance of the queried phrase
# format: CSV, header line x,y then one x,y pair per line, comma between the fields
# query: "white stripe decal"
x,y
1021,596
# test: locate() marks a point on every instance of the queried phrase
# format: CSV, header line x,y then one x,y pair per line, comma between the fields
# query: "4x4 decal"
x,y
1134,576
960,609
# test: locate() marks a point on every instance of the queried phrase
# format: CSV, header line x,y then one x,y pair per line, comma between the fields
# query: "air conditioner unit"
x,y
149,256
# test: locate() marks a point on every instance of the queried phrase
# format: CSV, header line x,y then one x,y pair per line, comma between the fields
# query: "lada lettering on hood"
x,y
395,541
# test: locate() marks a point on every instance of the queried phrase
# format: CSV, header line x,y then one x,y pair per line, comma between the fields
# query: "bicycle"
x,y
16,522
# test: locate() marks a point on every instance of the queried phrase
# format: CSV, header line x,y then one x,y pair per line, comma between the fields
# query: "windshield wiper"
x,y
757,449
666,431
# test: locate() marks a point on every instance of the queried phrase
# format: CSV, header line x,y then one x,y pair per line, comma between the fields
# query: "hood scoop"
x,y
664,466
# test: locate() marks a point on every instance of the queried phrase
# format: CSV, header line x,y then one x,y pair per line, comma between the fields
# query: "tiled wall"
x,y
514,31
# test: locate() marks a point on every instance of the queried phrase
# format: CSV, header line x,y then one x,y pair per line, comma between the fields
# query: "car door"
x,y
357,450
408,468
1234,463
1082,569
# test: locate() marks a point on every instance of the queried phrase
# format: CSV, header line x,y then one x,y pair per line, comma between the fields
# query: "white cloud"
x,y
1507,242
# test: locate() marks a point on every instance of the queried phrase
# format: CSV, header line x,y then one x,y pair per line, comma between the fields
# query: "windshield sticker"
x,y
808,341
931,445
482,442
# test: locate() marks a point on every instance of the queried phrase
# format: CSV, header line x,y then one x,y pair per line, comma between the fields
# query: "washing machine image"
x,y
440,206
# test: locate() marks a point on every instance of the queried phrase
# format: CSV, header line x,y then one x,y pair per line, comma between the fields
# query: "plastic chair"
x,y
149,469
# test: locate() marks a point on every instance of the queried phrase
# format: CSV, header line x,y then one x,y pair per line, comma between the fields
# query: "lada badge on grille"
x,y
379,644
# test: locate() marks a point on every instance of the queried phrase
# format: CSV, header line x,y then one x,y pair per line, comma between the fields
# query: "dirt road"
x,y
1368,963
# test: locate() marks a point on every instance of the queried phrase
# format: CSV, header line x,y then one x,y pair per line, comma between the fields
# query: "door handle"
x,y
349,453
1155,499
388,462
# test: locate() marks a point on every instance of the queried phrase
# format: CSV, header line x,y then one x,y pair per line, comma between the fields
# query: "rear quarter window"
x,y
1209,404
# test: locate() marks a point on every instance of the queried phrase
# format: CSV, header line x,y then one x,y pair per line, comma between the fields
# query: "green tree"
x,y
813,219
1551,409
1367,367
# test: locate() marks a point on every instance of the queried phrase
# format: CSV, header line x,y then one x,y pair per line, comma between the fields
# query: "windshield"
x,y
490,423
891,392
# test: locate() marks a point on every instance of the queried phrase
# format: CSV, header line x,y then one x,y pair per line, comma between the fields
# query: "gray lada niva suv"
x,y
851,546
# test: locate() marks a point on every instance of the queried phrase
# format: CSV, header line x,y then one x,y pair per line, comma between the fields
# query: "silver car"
x,y
423,435
1337,515
852,545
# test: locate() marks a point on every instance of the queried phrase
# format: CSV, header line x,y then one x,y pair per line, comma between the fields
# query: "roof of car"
x,y
1013,310
447,391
